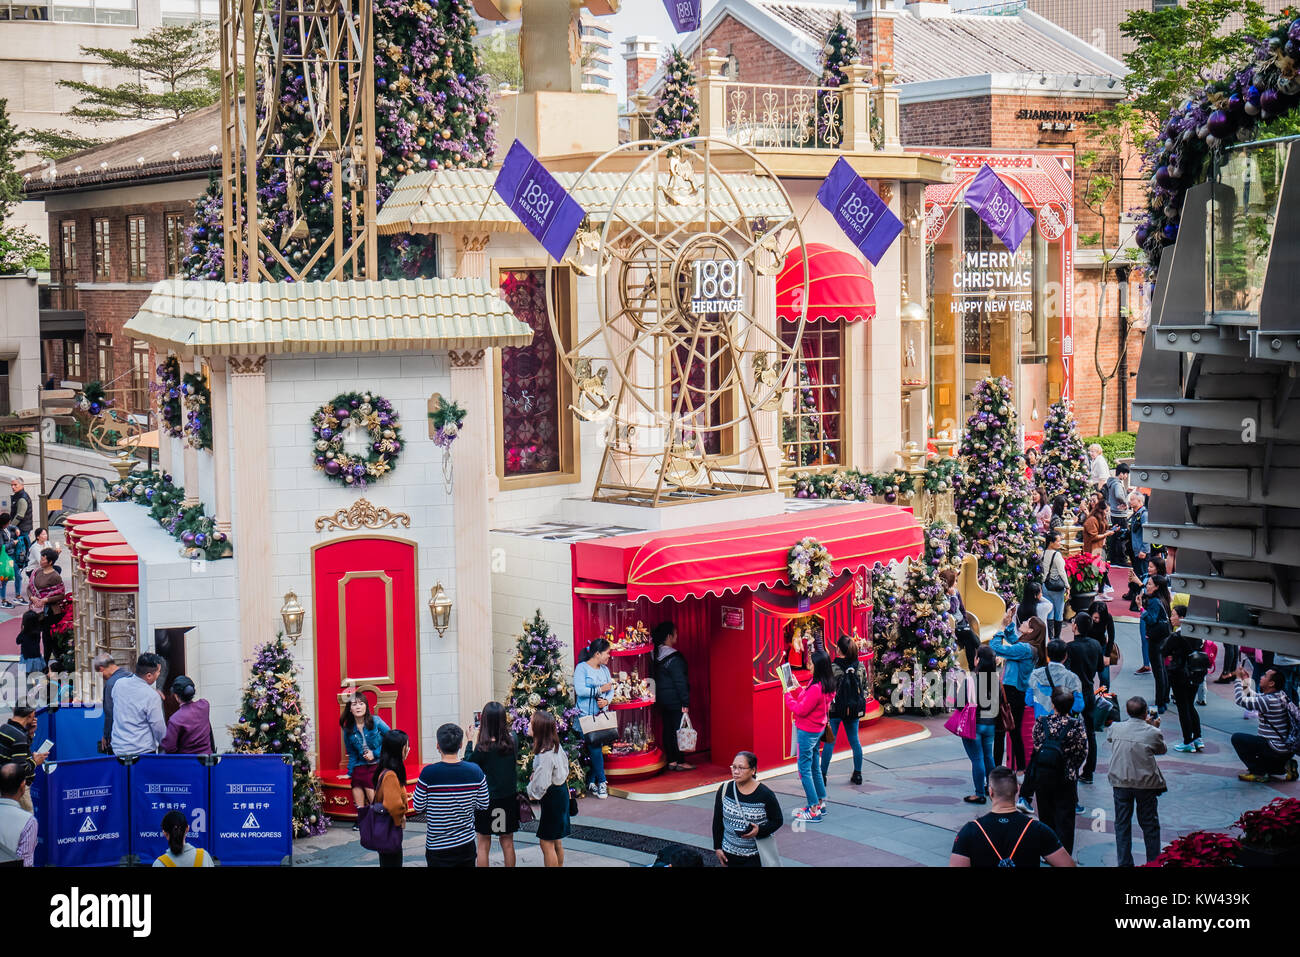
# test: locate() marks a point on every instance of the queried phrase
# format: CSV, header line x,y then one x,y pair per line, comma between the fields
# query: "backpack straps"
x,y
166,860
198,857
998,853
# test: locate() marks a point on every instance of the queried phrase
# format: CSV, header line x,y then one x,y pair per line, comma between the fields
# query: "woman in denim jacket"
x,y
363,736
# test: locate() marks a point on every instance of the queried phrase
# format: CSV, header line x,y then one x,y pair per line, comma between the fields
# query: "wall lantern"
x,y
915,338
440,609
292,614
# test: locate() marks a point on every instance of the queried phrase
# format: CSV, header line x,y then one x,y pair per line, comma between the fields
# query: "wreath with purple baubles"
x,y
355,438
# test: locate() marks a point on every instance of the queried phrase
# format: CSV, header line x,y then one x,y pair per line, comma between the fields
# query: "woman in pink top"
x,y
809,712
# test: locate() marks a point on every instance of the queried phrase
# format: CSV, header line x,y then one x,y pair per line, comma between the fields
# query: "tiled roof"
x,y
119,162
940,48
217,318
429,201
944,47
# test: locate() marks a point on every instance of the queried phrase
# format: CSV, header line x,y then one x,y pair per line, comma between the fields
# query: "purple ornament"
x,y
1170,231
1269,101
200,539
342,414
1163,179
332,467
320,460
327,434
1220,124
187,537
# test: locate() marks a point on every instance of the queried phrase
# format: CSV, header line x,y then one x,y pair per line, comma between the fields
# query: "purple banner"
x,y
994,202
685,14
864,216
537,198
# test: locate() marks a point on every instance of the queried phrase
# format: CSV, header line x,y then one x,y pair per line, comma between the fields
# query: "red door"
x,y
366,636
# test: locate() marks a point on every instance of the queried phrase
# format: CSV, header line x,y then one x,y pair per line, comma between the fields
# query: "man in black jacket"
x,y
672,690
16,745
1085,658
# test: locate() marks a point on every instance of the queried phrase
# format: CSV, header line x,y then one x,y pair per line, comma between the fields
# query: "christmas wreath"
x,y
447,420
356,438
809,565
169,397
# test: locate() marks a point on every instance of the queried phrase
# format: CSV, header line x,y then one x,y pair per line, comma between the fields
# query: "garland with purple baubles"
x,y
1229,110
340,422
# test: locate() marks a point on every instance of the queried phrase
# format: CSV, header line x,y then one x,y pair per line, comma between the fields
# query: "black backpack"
x,y
1049,759
850,701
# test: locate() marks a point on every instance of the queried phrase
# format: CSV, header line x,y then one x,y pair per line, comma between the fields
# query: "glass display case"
x,y
636,751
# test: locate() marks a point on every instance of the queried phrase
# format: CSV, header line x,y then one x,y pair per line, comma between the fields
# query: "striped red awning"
x,y
735,556
839,286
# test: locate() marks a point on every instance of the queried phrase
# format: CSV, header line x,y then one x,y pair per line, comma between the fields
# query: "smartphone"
x,y
742,832
1153,712
1248,664
478,718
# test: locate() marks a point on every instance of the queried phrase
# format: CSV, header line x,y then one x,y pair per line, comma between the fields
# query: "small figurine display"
x,y
634,636
631,687
635,739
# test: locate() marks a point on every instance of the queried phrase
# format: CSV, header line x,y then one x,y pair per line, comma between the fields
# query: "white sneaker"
x,y
601,791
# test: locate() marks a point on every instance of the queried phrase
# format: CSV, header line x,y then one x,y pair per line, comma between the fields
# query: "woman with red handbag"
x,y
986,695
390,795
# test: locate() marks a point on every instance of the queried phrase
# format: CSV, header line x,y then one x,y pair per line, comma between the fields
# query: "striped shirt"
x,y
1274,721
448,793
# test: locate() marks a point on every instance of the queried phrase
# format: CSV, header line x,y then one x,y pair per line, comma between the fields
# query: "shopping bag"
x,y
687,736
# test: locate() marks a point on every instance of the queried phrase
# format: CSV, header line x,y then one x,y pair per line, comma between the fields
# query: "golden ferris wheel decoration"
x,y
685,361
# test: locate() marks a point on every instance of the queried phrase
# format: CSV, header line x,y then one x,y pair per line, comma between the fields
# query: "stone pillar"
x,y
472,594
220,443
191,455
887,109
857,109
713,104
252,542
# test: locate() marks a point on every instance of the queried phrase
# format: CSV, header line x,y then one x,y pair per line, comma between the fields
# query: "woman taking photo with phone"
x,y
809,711
744,813
494,751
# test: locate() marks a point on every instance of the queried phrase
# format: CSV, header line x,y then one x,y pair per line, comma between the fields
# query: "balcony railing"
x,y
856,117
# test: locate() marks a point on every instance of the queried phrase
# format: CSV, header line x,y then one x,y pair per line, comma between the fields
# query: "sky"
x,y
640,18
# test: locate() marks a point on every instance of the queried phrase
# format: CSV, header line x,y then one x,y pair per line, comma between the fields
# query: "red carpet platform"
x,y
673,785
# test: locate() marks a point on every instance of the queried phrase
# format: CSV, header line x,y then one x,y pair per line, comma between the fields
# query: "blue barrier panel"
x,y
158,783
251,809
77,730
84,812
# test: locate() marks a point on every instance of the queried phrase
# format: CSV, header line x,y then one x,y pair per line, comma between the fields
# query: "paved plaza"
x,y
908,808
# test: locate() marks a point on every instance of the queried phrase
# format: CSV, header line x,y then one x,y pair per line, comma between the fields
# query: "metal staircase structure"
x,y
1219,442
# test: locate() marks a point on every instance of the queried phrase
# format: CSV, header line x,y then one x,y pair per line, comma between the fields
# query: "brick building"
x,y
117,215
1004,83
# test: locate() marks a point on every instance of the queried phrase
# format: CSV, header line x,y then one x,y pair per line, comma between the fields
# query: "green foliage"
x,y
56,144
171,74
198,410
500,53
1115,446
19,249
1180,47
273,720
11,444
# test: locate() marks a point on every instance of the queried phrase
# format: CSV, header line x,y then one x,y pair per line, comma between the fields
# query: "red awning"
x,y
734,556
839,286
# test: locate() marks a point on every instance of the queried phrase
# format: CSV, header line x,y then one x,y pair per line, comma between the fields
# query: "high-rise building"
x,y
1097,21
41,43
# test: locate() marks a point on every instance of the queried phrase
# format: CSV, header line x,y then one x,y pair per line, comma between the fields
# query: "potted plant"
x,y
1086,574
1270,836
1199,849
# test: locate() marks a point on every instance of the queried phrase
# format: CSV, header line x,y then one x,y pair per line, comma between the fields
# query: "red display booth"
x,y
726,587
